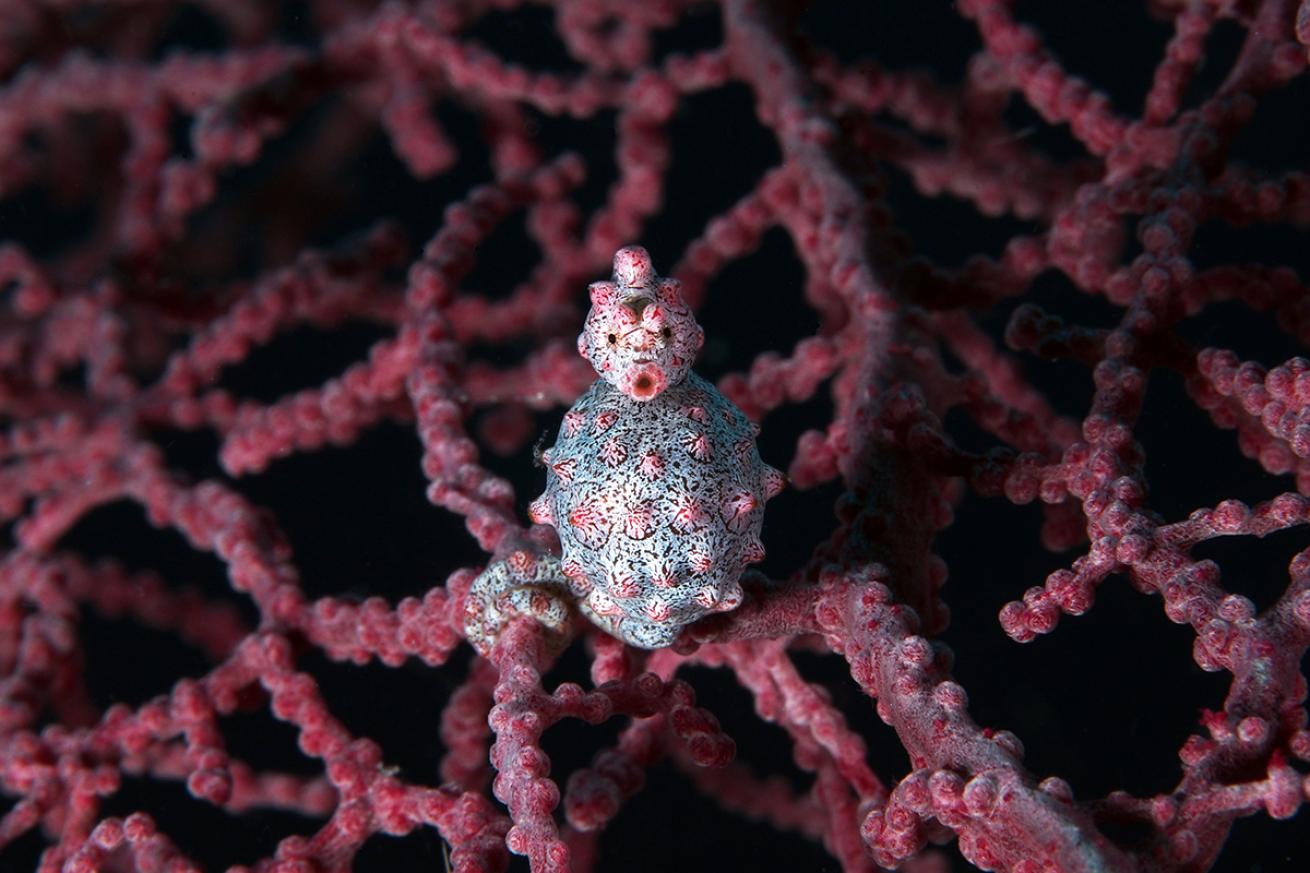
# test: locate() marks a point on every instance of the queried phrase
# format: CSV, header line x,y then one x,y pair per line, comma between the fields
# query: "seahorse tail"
x,y
524,584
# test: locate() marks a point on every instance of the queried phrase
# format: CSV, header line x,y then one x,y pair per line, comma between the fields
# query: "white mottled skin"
x,y
639,327
654,485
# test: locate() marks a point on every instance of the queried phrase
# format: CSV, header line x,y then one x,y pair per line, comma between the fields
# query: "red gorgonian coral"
x,y
232,631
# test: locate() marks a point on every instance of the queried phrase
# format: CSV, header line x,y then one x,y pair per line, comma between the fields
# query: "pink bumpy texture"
x,y
640,336
655,484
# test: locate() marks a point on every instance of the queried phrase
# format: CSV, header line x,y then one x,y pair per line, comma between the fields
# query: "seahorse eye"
x,y
668,332
613,339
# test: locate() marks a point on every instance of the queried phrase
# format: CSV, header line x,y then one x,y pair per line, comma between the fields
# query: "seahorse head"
x,y
640,336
